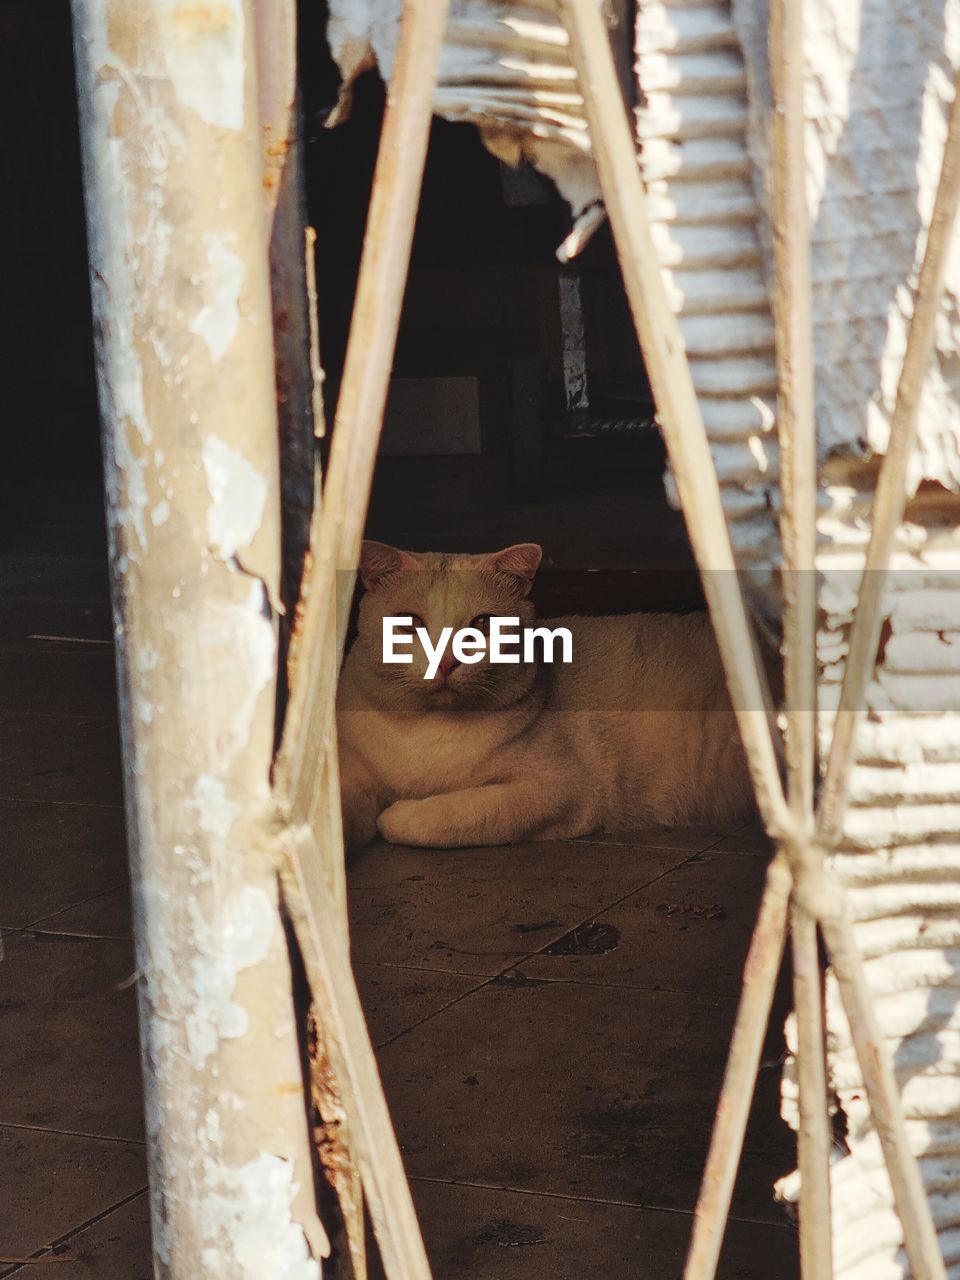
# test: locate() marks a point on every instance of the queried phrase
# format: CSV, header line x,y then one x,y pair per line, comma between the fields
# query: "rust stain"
x,y
332,1147
328,1119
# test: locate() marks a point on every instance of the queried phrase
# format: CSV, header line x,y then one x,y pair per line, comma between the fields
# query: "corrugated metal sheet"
x,y
878,79
692,127
899,859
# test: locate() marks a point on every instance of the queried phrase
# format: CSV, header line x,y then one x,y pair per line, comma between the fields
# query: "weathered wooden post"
x,y
175,209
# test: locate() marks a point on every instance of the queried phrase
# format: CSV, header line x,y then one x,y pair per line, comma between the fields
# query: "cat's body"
x,y
637,730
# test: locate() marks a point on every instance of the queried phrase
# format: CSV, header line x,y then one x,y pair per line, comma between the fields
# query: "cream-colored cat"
x,y
636,730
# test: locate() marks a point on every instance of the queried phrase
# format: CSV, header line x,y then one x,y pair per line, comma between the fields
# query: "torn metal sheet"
x,y
504,67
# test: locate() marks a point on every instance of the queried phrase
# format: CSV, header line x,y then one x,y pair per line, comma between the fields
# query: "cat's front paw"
x,y
398,823
425,823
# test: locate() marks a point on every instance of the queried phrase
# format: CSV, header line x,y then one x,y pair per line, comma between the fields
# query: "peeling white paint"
x,y
238,642
217,320
238,938
873,159
899,861
130,511
239,494
115,302
217,812
245,1205
206,62
211,1128
759,453
878,77
875,90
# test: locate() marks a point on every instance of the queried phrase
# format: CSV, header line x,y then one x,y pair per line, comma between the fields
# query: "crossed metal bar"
x,y
800,896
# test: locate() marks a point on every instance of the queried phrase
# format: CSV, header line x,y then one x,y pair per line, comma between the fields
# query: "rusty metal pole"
x,y
275,31
181,297
299,413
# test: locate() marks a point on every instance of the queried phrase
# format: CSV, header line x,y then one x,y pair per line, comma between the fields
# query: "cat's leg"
x,y
359,821
501,813
361,801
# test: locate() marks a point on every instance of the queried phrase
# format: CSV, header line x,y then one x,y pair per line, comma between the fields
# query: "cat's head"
x,y
439,591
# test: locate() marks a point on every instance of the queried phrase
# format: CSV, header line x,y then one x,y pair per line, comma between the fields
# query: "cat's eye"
x,y
415,621
481,623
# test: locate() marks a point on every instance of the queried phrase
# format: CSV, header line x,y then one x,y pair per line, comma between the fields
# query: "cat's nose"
x,y
447,664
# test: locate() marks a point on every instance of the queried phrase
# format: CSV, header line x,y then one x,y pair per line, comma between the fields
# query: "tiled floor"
x,y
551,1020
551,1023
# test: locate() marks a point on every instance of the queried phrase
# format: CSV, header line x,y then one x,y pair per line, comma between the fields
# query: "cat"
x,y
637,730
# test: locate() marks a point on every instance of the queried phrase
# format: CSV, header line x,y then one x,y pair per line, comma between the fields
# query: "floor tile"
x,y
474,1233
81,535
689,931
116,1247
68,1036
75,622
751,838
55,856
60,761
576,1090
51,1182
693,838
105,916
27,578
479,910
55,510
61,683
395,1000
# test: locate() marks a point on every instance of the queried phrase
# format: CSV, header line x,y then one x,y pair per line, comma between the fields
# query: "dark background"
x,y
482,302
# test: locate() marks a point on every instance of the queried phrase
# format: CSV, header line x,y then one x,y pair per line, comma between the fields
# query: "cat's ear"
x,y
378,561
520,562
